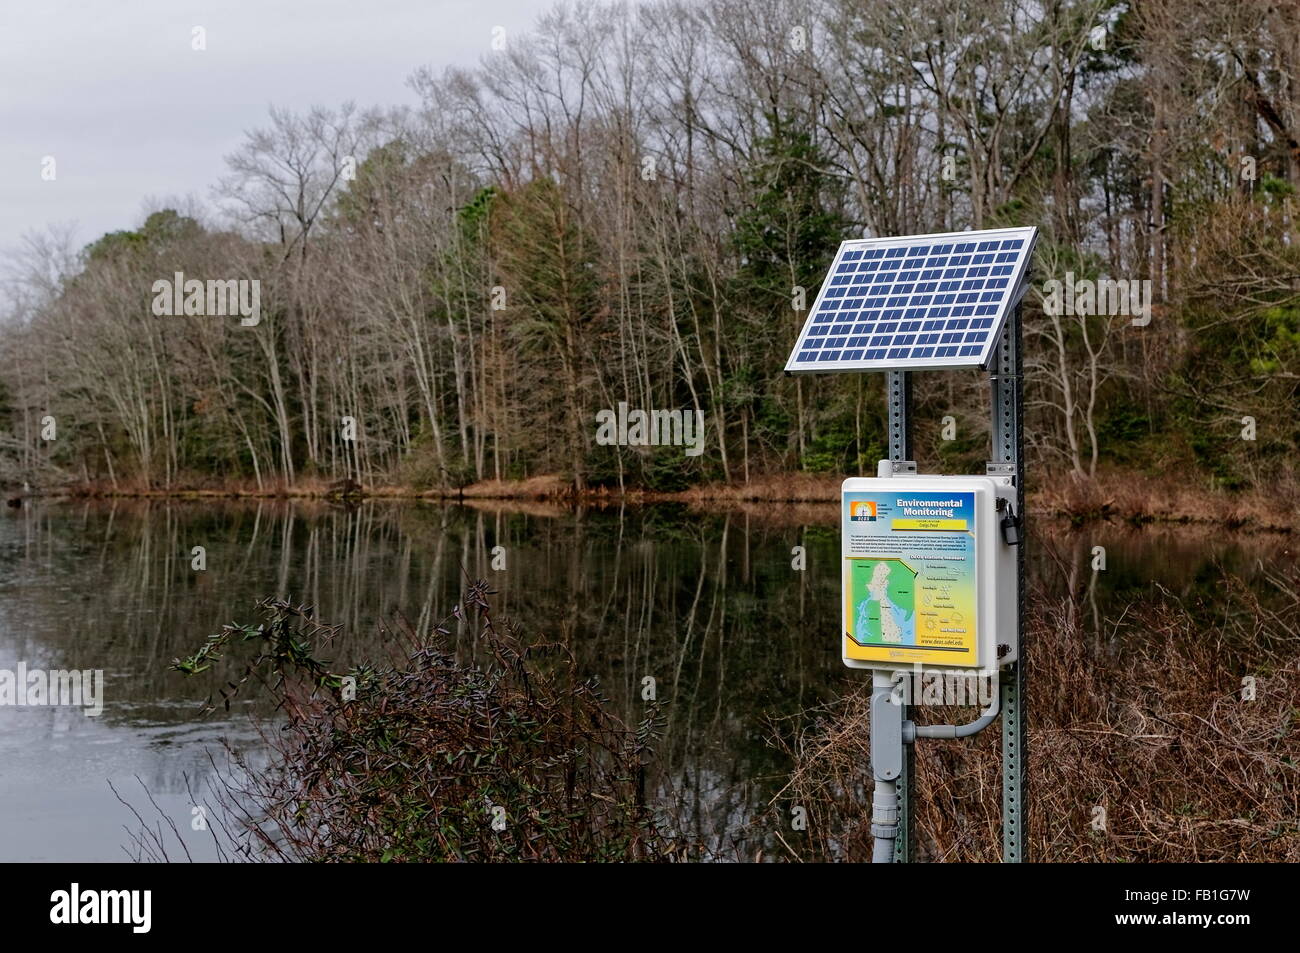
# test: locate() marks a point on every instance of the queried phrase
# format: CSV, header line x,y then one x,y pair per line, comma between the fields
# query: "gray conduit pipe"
x,y
884,821
912,731
886,760
884,801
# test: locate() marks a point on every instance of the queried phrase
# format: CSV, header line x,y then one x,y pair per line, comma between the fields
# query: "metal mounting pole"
x,y
1008,452
898,404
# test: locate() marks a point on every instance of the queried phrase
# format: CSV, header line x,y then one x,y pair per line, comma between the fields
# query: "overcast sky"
x,y
114,92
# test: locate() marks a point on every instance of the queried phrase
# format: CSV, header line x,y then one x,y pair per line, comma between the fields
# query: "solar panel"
x,y
915,302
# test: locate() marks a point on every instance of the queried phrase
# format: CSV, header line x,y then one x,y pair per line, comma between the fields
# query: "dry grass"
x,y
1121,497
544,487
200,488
776,488
1141,499
1156,734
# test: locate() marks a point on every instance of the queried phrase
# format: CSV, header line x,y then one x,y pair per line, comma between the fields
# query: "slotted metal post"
x,y
898,401
1008,456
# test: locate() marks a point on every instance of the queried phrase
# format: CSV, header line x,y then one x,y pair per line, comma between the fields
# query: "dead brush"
x,y
1138,498
429,758
1142,747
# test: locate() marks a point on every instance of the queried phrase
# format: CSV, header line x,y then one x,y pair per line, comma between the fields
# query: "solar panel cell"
x,y
915,302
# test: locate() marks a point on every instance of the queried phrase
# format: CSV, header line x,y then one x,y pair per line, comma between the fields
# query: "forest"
x,y
636,204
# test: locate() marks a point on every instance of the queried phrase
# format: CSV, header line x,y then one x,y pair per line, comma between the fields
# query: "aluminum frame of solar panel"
x,y
930,314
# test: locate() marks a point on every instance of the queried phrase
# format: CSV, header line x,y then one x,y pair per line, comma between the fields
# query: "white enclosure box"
x,y
927,576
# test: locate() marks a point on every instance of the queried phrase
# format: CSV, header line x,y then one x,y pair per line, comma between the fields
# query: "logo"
x,y
1105,296
652,428
220,297
862,511
24,686
131,907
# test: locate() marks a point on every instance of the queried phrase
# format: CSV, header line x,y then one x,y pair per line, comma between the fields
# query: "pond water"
x,y
706,603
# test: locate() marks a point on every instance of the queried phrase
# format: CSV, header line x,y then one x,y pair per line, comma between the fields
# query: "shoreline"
x,y
1119,497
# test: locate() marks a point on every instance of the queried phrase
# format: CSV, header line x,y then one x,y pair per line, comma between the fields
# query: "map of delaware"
x,y
886,614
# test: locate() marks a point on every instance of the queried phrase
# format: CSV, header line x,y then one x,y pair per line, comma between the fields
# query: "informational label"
x,y
910,583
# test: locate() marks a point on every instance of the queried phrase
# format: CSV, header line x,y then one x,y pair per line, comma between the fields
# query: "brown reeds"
x,y
1137,498
1120,497
1145,745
